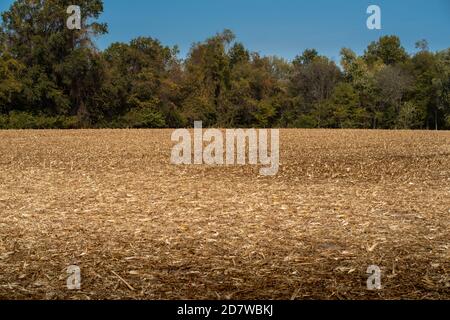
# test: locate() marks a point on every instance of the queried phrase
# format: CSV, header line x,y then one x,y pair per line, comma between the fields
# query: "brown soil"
x,y
111,203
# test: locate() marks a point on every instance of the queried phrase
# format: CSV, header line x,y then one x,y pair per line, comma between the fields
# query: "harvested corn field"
x,y
138,227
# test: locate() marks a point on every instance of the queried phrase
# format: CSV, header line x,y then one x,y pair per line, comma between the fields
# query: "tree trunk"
x,y
436,119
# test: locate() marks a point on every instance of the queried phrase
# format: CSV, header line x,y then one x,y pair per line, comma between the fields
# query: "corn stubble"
x,y
111,203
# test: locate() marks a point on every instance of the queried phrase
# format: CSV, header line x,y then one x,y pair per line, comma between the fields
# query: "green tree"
x,y
10,85
238,54
308,56
51,76
62,69
431,86
207,79
410,116
441,86
346,108
387,49
143,79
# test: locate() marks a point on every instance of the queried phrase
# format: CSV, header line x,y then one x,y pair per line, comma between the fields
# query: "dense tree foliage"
x,y
53,77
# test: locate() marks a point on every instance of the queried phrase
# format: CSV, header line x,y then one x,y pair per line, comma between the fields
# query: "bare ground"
x,y
140,228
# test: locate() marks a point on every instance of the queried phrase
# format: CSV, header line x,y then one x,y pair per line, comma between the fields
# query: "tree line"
x,y
53,77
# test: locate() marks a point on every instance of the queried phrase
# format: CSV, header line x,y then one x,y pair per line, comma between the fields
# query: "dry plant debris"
x,y
110,202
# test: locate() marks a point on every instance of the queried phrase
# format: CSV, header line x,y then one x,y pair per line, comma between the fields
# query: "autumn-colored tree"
x,y
55,77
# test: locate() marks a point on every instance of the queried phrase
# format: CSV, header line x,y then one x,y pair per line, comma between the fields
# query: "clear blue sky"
x,y
276,27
